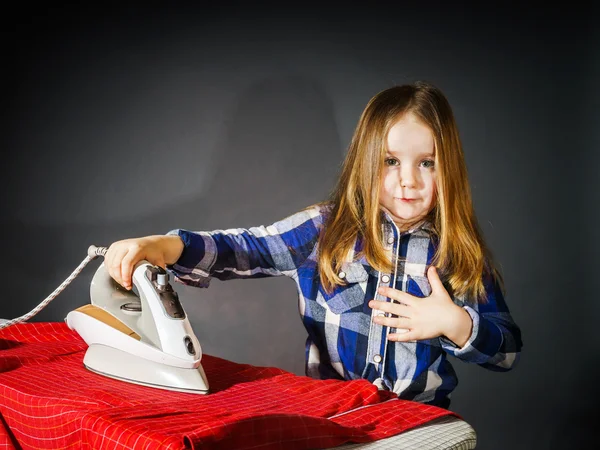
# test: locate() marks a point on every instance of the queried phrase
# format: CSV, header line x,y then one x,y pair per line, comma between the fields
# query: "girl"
x,y
392,272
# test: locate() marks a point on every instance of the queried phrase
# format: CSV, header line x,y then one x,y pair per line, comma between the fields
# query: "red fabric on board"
x,y
48,399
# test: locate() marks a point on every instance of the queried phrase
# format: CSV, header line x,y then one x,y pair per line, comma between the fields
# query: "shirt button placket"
x,y
385,279
376,357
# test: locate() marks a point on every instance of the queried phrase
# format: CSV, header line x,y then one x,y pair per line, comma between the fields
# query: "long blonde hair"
x,y
461,255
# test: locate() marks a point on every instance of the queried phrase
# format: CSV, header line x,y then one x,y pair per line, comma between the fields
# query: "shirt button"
x,y
377,358
342,274
385,278
390,240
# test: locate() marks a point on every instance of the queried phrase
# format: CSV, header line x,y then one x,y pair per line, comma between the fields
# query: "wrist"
x,y
173,249
461,326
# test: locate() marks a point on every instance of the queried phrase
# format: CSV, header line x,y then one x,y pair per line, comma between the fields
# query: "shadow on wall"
x,y
280,153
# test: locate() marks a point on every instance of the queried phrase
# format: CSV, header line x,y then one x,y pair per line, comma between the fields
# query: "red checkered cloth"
x,y
48,399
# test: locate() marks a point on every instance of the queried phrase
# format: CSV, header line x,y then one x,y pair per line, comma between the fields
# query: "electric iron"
x,y
143,338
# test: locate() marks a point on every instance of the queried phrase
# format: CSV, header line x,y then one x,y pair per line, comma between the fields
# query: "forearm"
x,y
262,251
223,254
494,341
494,344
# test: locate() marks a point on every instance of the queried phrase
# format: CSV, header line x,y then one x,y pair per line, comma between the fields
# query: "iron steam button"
x,y
162,279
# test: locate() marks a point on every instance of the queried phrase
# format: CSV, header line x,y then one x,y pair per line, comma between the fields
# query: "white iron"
x,y
145,338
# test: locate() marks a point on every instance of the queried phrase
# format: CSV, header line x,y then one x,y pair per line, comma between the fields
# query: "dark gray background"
x,y
131,122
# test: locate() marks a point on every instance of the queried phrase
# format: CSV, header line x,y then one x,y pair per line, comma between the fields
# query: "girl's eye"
x,y
391,162
428,163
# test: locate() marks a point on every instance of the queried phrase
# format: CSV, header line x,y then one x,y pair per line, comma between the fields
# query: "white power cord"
x,y
93,252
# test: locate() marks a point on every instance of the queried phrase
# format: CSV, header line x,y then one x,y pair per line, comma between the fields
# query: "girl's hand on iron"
x,y
122,256
424,318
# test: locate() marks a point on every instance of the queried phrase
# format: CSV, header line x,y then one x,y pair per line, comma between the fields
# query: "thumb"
x,y
161,263
434,279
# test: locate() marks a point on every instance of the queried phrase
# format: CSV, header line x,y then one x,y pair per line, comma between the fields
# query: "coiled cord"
x,y
93,252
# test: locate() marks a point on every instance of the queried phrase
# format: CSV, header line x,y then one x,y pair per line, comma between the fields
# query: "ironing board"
x,y
445,433
49,400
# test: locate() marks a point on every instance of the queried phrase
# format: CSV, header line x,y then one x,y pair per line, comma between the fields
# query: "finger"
x,y
395,322
398,309
114,263
395,294
113,249
434,279
404,310
127,265
391,307
388,307
402,336
160,262
108,256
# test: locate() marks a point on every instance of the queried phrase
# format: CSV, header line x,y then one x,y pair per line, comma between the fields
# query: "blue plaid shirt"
x,y
343,342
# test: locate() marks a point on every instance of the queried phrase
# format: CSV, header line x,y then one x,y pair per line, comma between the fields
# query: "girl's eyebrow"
x,y
425,154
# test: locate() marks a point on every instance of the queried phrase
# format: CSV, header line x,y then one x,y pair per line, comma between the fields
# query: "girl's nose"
x,y
407,178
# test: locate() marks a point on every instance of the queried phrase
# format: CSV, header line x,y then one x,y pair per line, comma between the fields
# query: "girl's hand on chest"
x,y
418,318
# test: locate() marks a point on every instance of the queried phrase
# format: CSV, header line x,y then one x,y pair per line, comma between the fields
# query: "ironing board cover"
x,y
48,399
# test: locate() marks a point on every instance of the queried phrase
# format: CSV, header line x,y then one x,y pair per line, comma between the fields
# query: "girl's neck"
x,y
404,226
407,226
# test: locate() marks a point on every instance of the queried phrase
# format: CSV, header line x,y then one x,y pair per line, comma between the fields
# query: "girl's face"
x,y
408,187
